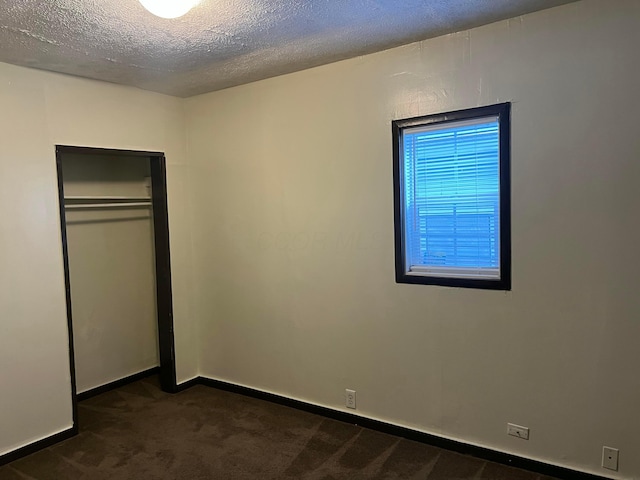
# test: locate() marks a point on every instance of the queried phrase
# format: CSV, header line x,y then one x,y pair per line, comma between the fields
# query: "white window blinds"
x,y
452,199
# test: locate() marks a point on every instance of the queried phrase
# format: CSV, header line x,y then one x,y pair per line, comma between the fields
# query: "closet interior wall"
x,y
111,266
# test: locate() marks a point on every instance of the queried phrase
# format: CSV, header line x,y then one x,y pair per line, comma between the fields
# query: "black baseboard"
x,y
58,437
434,440
118,383
35,446
181,387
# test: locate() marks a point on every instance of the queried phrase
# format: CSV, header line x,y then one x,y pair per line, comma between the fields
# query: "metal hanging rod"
x,y
105,198
80,206
104,202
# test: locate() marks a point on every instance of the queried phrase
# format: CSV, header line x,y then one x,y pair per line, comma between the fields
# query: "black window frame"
x,y
503,112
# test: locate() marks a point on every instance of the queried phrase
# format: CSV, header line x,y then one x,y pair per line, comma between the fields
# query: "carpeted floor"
x,y
138,432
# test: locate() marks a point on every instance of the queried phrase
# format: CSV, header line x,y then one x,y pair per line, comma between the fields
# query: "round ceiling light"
x,y
169,8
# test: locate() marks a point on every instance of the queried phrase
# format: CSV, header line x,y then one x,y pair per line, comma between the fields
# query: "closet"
x,y
109,212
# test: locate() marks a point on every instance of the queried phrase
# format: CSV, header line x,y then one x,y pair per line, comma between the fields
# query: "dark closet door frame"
x,y
163,261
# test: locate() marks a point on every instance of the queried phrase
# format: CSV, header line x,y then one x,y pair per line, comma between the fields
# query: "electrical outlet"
x,y
610,458
518,431
351,398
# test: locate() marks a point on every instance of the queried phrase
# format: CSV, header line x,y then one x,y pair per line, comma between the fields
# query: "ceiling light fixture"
x,y
169,8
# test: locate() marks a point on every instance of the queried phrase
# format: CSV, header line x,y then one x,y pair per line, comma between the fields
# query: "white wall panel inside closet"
x,y
111,267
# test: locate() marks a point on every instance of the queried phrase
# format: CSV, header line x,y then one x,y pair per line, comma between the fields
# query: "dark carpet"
x,y
139,432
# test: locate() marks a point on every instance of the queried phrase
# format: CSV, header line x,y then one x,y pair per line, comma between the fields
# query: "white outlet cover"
x,y
350,398
518,431
610,458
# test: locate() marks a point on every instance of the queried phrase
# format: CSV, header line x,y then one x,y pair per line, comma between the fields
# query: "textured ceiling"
x,y
222,43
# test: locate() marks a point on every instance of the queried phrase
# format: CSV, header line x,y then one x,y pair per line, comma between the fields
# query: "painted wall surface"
x,y
293,239
40,110
111,270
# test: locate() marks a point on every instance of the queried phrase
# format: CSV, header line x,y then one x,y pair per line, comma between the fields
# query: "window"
x,y
452,198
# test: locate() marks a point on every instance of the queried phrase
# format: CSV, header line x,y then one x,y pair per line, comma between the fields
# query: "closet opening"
x,y
115,242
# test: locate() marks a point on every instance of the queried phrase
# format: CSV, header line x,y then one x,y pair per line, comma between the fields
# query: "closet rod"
x,y
108,205
106,198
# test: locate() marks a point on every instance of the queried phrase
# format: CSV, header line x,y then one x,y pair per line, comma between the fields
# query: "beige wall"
x,y
287,206
40,110
293,239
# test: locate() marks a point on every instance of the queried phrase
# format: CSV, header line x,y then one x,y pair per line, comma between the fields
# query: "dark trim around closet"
x,y
166,345
164,294
67,289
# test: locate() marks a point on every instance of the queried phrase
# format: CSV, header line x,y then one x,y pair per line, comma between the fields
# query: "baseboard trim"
x,y
430,439
181,387
66,434
38,445
117,383
426,438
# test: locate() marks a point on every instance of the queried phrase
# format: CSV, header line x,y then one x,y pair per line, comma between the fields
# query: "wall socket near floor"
x,y
351,398
518,431
610,458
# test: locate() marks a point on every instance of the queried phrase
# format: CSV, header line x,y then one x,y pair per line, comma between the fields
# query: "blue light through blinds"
x,y
452,198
